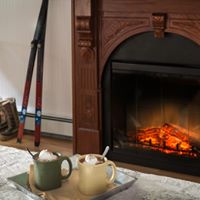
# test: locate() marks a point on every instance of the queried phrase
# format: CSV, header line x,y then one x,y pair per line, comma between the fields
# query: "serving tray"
x,y
69,190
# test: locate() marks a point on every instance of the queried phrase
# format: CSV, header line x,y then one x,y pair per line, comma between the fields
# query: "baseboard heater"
x,y
51,135
51,118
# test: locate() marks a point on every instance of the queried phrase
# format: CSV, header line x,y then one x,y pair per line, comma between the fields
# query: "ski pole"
x,y
40,23
39,85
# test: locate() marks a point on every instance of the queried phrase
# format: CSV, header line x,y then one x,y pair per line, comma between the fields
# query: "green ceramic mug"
x,y
47,174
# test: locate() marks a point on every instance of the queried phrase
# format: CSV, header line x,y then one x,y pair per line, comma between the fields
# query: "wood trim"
x,y
85,77
73,77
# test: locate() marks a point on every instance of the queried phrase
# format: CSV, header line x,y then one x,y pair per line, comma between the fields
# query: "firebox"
x,y
151,103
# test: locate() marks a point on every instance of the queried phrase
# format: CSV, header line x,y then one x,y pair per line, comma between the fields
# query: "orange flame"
x,y
168,139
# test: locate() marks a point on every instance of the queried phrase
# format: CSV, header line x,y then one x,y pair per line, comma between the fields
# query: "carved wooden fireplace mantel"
x,y
99,27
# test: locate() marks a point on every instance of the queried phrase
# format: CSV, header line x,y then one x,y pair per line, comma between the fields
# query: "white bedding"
x,y
153,187
12,162
147,186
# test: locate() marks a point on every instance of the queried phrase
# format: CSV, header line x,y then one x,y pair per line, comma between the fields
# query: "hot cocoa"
x,y
92,159
46,156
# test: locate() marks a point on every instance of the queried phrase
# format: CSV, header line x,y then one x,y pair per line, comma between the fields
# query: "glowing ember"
x,y
168,139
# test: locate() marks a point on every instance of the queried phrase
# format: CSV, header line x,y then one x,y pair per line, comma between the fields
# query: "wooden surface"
x,y
85,87
65,147
52,144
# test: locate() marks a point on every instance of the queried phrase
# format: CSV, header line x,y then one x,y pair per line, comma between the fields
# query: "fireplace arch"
x,y
121,31
121,38
144,47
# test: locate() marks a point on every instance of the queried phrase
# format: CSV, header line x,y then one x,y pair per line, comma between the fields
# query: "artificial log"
x,y
168,136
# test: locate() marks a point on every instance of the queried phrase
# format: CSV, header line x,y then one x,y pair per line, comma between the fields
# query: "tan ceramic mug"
x,y
93,179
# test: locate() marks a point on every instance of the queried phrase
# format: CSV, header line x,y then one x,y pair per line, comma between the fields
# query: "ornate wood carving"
x,y
87,88
84,28
115,30
186,25
85,94
159,24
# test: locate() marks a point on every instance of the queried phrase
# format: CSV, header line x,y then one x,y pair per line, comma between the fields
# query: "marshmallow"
x,y
91,159
46,155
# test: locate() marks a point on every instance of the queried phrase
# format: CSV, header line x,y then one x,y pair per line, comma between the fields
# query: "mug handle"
x,y
70,166
114,170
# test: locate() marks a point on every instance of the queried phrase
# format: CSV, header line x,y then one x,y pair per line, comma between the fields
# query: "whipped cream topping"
x,y
91,159
46,155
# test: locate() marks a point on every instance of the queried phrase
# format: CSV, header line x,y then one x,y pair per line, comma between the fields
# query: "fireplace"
x,y
136,73
151,104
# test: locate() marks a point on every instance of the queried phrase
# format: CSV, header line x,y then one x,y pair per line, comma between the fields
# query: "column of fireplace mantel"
x,y
99,27
85,87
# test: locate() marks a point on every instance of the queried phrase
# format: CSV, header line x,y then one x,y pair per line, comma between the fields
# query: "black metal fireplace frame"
x,y
137,155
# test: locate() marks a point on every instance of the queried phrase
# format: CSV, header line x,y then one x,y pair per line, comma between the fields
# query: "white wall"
x,y
17,25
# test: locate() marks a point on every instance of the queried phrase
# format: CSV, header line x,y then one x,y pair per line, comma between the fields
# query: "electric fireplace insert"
x,y
151,103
